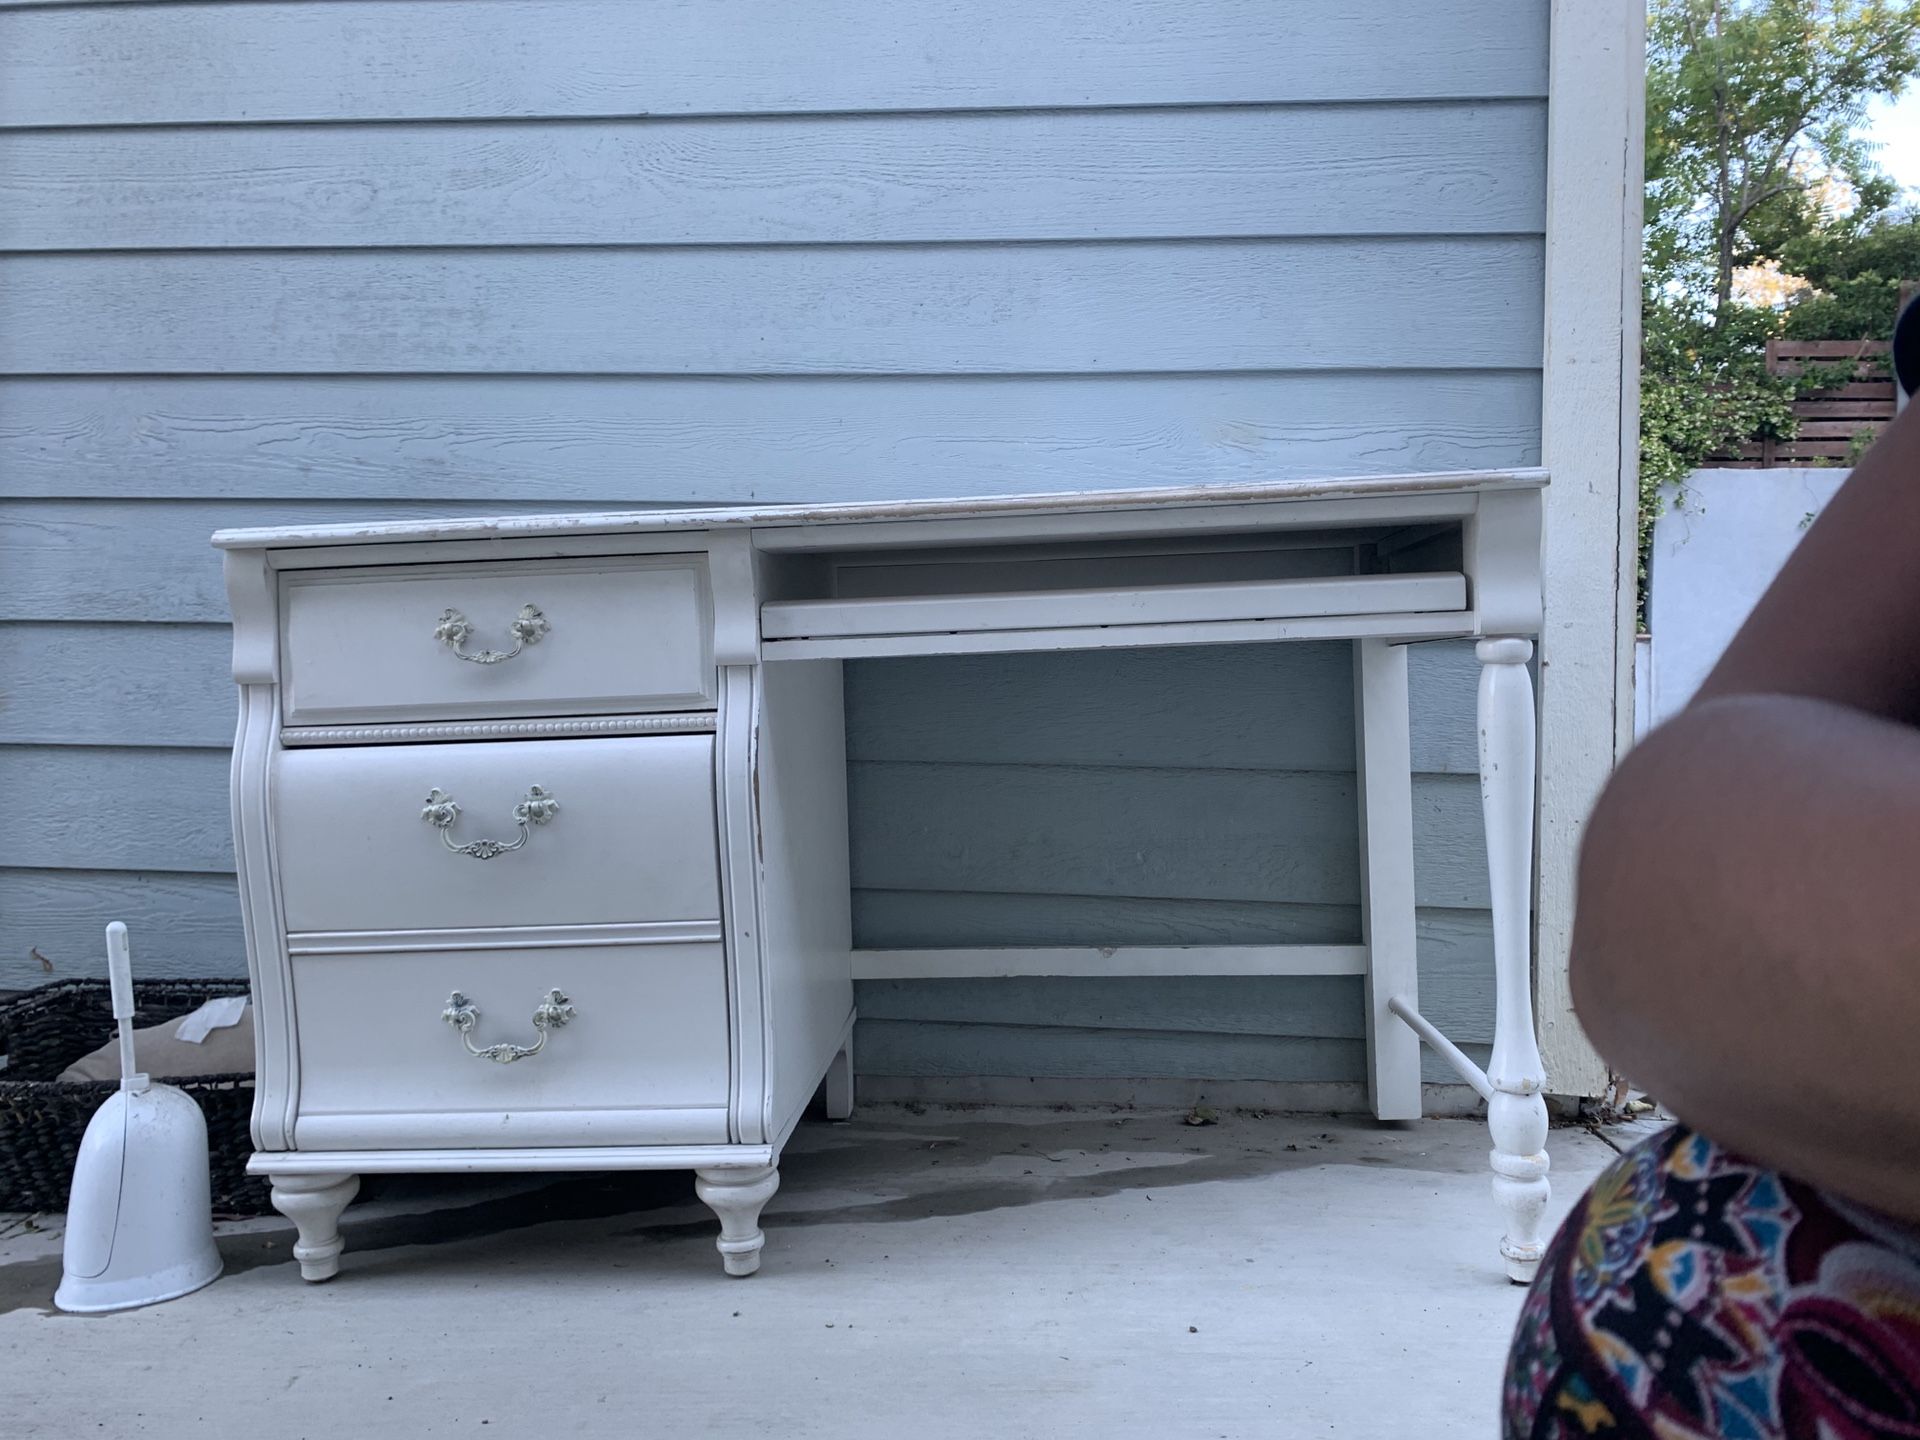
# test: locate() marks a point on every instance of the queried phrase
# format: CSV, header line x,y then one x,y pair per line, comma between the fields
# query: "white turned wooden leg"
x,y
313,1203
737,1196
1517,1114
839,1086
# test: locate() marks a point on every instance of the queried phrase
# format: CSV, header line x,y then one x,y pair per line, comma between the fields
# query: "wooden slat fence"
x,y
1834,423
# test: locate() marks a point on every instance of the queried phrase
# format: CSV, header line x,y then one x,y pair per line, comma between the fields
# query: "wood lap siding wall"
x,y
271,262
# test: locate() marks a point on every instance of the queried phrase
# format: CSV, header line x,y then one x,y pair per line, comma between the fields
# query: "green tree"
x,y
1856,272
1753,109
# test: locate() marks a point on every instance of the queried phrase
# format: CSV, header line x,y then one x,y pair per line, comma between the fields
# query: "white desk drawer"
x,y
631,834
501,640
642,1058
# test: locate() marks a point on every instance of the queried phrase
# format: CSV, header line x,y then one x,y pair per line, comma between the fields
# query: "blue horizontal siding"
x,y
751,251
1405,303
531,442
422,59
1222,172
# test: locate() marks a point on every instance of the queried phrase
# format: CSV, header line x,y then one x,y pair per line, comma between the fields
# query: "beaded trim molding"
x,y
690,723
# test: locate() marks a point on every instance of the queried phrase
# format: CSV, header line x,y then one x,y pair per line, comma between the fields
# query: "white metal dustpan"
x,y
140,1216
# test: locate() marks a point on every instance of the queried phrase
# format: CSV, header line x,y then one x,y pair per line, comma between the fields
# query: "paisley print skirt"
x,y
1693,1295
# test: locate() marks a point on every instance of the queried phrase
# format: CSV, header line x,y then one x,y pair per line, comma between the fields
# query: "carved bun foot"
x,y
737,1195
313,1203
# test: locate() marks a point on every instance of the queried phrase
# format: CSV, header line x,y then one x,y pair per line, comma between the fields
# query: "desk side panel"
x,y
801,789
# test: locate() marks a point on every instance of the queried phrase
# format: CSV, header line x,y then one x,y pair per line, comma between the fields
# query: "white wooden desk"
x,y
626,730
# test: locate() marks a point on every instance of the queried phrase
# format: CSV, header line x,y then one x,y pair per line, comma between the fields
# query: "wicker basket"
x,y
42,1118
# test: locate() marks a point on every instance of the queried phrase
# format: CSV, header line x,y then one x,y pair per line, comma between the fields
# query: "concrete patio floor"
x,y
927,1274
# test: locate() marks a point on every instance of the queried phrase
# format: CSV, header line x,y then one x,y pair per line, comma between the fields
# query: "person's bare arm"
x,y
1747,939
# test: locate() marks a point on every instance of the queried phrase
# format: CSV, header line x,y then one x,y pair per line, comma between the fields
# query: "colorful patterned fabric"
x,y
1693,1295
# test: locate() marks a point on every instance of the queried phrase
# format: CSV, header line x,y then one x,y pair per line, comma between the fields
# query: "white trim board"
x,y
528,1158
1149,507
1107,1093
1595,119
1107,962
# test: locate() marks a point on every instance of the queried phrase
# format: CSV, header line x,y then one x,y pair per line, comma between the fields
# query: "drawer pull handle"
x,y
462,1014
527,627
441,810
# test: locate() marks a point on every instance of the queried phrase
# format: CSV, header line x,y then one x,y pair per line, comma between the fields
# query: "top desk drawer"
x,y
504,639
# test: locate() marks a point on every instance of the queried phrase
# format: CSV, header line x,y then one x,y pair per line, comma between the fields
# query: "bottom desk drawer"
x,y
634,1052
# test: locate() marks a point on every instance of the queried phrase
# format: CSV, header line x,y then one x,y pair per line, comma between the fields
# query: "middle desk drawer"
x,y
497,834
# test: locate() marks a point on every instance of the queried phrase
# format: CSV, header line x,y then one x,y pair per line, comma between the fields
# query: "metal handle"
x,y
526,628
441,810
462,1014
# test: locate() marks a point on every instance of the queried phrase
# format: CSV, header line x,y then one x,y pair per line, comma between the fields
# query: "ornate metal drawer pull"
x,y
441,810
462,1014
526,628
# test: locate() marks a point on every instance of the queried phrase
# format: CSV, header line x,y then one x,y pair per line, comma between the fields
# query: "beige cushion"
x,y
161,1055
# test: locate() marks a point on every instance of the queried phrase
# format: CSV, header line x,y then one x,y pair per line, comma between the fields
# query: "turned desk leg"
x,y
737,1195
313,1203
1517,1113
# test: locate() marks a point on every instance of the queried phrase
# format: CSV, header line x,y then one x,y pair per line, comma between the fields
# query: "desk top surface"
x,y
854,513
